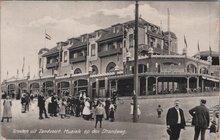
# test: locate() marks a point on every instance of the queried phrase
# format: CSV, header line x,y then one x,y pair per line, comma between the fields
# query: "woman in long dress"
x,y
86,110
7,109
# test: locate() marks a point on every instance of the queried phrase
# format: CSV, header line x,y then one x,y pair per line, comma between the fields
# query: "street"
x,y
149,127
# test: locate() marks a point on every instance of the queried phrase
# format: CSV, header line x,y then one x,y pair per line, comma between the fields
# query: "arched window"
x,y
191,68
110,67
94,69
77,71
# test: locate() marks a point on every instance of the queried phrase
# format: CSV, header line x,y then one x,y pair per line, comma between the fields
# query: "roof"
x,y
52,51
207,53
77,44
171,34
110,35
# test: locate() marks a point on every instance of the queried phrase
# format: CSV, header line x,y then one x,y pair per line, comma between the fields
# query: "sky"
x,y
23,25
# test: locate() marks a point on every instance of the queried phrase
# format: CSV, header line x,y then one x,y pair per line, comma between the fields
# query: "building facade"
x,y
100,62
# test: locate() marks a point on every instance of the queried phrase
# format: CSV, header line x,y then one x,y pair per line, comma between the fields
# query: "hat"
x,y
169,131
203,101
214,122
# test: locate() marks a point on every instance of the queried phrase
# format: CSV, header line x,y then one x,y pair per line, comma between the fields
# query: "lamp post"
x,y
135,117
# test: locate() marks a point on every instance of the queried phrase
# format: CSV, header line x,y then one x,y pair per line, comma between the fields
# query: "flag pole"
x,y
168,23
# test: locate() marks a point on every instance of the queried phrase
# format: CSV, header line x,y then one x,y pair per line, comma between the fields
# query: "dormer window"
x,y
83,38
97,34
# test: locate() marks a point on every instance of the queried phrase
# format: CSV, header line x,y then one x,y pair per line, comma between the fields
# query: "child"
x,y
213,131
159,111
112,114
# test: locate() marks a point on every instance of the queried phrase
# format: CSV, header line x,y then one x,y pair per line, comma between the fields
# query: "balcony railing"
x,y
52,65
110,52
78,59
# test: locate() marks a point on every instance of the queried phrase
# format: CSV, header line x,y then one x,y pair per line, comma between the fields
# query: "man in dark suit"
x,y
175,121
41,105
201,119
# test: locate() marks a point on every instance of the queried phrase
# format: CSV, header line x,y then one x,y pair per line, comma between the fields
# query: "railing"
x,y
78,59
110,52
52,65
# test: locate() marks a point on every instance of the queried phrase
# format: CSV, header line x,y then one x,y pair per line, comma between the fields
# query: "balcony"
x,y
110,52
78,59
52,65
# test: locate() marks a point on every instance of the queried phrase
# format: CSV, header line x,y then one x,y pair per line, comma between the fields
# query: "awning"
x,y
210,79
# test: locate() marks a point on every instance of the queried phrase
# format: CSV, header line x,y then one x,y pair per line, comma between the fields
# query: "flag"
x,y
23,65
47,36
185,41
210,51
198,47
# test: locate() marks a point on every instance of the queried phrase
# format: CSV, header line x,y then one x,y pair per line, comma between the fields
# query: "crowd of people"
x,y
97,109
78,106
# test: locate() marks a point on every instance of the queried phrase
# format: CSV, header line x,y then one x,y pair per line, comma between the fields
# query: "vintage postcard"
x,y
110,70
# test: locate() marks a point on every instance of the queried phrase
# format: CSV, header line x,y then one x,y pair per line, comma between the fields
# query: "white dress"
x,y
86,109
138,110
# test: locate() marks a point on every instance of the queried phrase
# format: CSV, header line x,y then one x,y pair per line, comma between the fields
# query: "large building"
x,y
102,61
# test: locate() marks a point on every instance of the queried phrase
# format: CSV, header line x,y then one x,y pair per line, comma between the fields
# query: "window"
x,y
65,56
77,71
131,40
93,50
111,46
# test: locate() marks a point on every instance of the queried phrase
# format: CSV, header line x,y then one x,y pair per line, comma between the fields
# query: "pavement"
x,y
149,127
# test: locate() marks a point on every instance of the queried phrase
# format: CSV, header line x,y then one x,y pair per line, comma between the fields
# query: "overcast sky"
x,y
23,25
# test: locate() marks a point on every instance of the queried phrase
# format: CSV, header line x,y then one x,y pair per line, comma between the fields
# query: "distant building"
x,y
102,61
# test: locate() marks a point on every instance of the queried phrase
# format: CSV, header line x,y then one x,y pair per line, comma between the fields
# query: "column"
x,y
54,86
168,86
97,87
162,88
116,85
106,87
139,85
156,88
172,87
197,83
202,85
146,85
110,88
187,84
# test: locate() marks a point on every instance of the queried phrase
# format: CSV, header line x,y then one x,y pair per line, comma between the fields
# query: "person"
x,y
54,105
27,100
77,103
213,131
107,105
7,109
159,111
200,119
41,105
99,111
86,110
175,120
138,110
63,108
23,103
112,114
114,96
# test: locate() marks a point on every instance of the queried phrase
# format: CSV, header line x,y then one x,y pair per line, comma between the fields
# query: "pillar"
x,y
187,84
106,86
168,86
202,85
172,87
139,85
156,88
146,85
116,85
110,88
97,87
197,83
54,86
